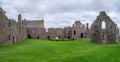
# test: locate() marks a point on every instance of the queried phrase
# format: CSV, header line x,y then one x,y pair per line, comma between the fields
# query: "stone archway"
x,y
104,35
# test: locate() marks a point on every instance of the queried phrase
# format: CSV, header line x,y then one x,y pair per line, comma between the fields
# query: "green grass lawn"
x,y
33,50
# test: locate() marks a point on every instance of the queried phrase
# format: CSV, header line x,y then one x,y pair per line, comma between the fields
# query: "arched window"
x,y
103,25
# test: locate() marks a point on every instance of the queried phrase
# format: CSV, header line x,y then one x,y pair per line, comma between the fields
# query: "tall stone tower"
x,y
24,29
19,26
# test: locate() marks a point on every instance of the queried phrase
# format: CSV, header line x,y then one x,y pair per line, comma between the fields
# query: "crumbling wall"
x,y
107,35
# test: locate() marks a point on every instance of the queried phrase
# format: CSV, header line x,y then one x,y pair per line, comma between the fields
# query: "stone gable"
x,y
108,34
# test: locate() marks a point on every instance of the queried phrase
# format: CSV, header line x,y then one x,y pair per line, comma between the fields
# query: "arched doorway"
x,y
104,36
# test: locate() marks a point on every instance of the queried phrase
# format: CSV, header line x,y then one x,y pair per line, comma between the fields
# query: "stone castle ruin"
x,y
77,31
104,30
11,31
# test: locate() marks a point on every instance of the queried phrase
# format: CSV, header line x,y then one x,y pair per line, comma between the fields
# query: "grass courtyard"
x,y
33,50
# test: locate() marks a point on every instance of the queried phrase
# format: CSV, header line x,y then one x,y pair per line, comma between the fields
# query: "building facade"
x,y
55,32
77,31
35,29
104,30
68,33
11,31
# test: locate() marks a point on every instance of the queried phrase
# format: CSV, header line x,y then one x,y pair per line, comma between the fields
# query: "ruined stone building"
x,y
60,33
10,30
68,33
55,32
51,33
3,27
104,30
77,31
35,29
87,32
22,28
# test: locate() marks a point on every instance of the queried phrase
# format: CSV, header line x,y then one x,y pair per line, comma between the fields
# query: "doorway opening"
x,y
37,37
29,36
81,35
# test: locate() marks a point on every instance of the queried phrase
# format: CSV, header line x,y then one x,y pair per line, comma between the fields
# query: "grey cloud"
x,y
61,13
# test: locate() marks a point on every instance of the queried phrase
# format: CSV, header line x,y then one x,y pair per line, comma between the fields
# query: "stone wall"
x,y
68,32
51,33
3,27
60,33
87,32
38,33
10,30
13,32
55,32
77,31
35,29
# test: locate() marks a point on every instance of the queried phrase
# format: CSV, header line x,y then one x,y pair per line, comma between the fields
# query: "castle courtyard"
x,y
59,30
34,50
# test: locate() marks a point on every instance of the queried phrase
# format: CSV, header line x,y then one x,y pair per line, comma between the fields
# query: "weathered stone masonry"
x,y
104,30
77,31
11,31
35,29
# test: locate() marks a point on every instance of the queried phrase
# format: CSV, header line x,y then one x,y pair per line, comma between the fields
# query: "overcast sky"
x,y
61,13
